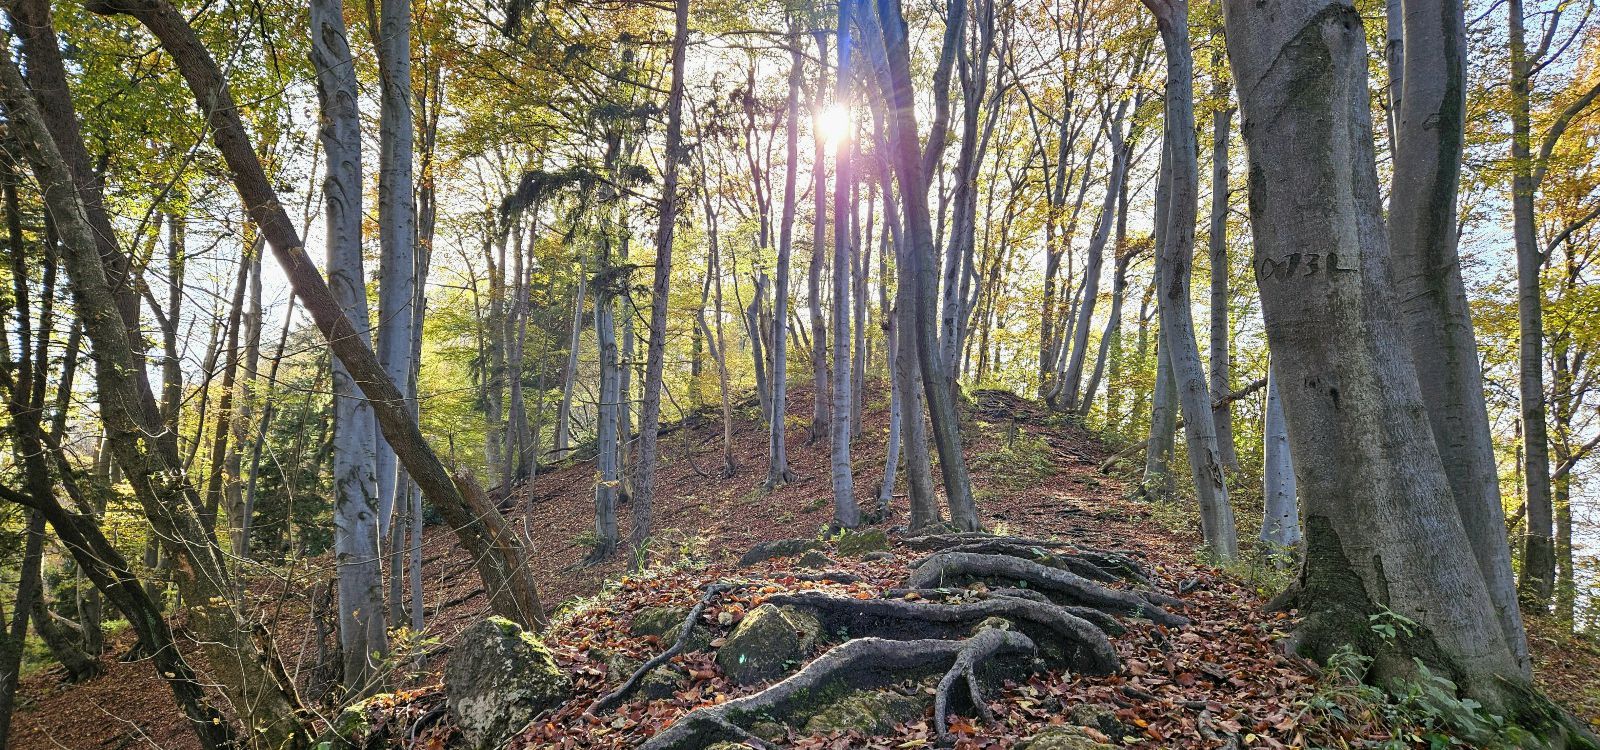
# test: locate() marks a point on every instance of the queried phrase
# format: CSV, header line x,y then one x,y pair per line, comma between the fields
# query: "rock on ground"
x,y
498,679
767,644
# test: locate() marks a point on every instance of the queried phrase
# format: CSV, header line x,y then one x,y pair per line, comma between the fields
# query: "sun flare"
x,y
834,124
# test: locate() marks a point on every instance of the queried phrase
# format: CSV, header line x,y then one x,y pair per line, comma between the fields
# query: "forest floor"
x,y
1221,681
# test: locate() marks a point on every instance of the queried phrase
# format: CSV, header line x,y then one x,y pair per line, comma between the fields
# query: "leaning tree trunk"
x,y
1430,128
357,507
1121,150
1383,534
905,373
248,674
16,635
1173,262
496,551
644,476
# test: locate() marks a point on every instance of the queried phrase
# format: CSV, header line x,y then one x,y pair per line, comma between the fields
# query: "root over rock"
x,y
860,664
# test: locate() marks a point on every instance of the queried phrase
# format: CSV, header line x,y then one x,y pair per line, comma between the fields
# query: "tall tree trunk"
x,y
608,470
778,472
1382,530
397,236
846,512
497,552
720,344
1430,128
357,508
1173,264
819,238
1538,545
910,172
1158,480
655,356
1217,242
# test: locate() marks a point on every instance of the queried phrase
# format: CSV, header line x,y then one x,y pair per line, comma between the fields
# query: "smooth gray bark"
x,y
1280,523
1217,360
397,232
357,513
846,512
911,174
1173,264
1381,525
1430,128
1120,150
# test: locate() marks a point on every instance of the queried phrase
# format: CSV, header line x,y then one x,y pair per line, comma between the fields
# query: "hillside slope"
x,y
1222,679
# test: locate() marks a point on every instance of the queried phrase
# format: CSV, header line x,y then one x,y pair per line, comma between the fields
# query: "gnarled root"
x,y
1105,567
1077,641
929,542
952,568
863,663
975,651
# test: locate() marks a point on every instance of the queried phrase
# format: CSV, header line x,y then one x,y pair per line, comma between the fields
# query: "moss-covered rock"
x,y
1098,718
657,621
768,643
779,548
815,560
699,638
866,711
498,678
858,543
1063,738
771,731
658,683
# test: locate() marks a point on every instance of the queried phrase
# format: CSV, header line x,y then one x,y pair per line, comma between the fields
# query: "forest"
x,y
669,374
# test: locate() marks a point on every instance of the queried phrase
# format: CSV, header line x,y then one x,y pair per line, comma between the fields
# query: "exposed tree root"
x,y
1105,567
1100,619
1065,636
955,568
685,631
928,542
864,663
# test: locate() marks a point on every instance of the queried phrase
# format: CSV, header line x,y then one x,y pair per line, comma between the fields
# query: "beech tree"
x,y
1383,533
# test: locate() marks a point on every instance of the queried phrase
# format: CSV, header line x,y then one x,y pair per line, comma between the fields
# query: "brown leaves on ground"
x,y
1223,681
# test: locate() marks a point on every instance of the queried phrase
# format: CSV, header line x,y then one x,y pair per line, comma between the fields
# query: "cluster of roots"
x,y
977,608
